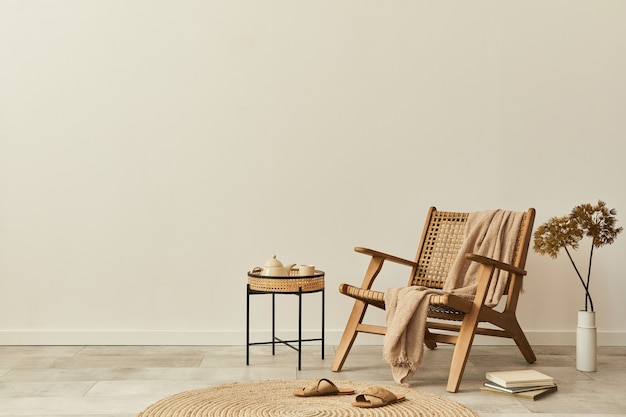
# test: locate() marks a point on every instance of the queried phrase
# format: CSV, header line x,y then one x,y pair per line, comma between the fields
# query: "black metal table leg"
x,y
323,309
248,325
300,329
273,324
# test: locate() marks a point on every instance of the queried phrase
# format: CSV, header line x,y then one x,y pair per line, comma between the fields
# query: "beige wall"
x,y
151,152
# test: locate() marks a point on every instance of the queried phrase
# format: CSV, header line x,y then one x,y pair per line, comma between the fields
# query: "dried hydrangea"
x,y
597,222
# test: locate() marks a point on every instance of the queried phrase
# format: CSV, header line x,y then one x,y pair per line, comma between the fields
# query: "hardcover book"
x,y
526,395
515,390
520,378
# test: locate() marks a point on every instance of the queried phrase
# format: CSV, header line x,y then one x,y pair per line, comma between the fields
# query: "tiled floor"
x,y
98,381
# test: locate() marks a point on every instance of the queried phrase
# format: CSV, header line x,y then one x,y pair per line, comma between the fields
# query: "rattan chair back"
x,y
441,241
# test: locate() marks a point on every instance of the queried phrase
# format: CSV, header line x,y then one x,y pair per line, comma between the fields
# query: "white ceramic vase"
x,y
586,341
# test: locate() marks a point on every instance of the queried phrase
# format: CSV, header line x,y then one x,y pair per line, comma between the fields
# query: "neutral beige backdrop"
x,y
151,152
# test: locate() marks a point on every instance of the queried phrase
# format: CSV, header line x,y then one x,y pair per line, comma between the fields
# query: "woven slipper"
x,y
322,387
375,396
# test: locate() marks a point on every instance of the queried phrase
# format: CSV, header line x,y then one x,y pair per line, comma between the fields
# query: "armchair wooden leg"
x,y
462,350
520,340
349,335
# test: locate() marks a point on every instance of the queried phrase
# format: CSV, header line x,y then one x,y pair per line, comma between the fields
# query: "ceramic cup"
x,y
305,270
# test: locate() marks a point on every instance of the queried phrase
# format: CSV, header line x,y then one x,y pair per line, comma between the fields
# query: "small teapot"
x,y
274,268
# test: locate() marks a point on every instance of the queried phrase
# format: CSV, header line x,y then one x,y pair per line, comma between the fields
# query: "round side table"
x,y
293,284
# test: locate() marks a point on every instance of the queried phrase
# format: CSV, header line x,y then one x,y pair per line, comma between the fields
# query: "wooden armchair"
x,y
451,319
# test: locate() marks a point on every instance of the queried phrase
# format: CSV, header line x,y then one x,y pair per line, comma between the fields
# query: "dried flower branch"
x,y
597,222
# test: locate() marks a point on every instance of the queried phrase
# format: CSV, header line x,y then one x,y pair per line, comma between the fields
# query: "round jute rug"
x,y
275,398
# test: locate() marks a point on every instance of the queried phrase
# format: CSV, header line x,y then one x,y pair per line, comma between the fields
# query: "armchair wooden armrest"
x,y
385,256
497,264
376,263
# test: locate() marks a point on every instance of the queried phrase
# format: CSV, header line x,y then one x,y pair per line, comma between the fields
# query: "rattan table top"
x,y
292,283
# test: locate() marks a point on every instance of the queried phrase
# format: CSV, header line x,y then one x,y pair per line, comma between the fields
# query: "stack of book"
x,y
525,383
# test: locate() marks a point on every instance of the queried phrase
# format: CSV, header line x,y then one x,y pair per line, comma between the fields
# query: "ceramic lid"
x,y
273,263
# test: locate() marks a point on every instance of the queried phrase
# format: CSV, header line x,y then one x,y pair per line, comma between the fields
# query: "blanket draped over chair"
x,y
486,234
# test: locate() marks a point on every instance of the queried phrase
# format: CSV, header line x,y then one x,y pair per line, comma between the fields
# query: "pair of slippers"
x,y
374,396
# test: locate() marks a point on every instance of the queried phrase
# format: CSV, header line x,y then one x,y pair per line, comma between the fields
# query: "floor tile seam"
x,y
59,359
88,390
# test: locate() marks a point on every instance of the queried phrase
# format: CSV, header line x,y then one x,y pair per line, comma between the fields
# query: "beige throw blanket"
x,y
486,234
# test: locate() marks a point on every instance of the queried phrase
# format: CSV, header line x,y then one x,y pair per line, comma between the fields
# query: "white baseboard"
x,y
116,338
233,338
